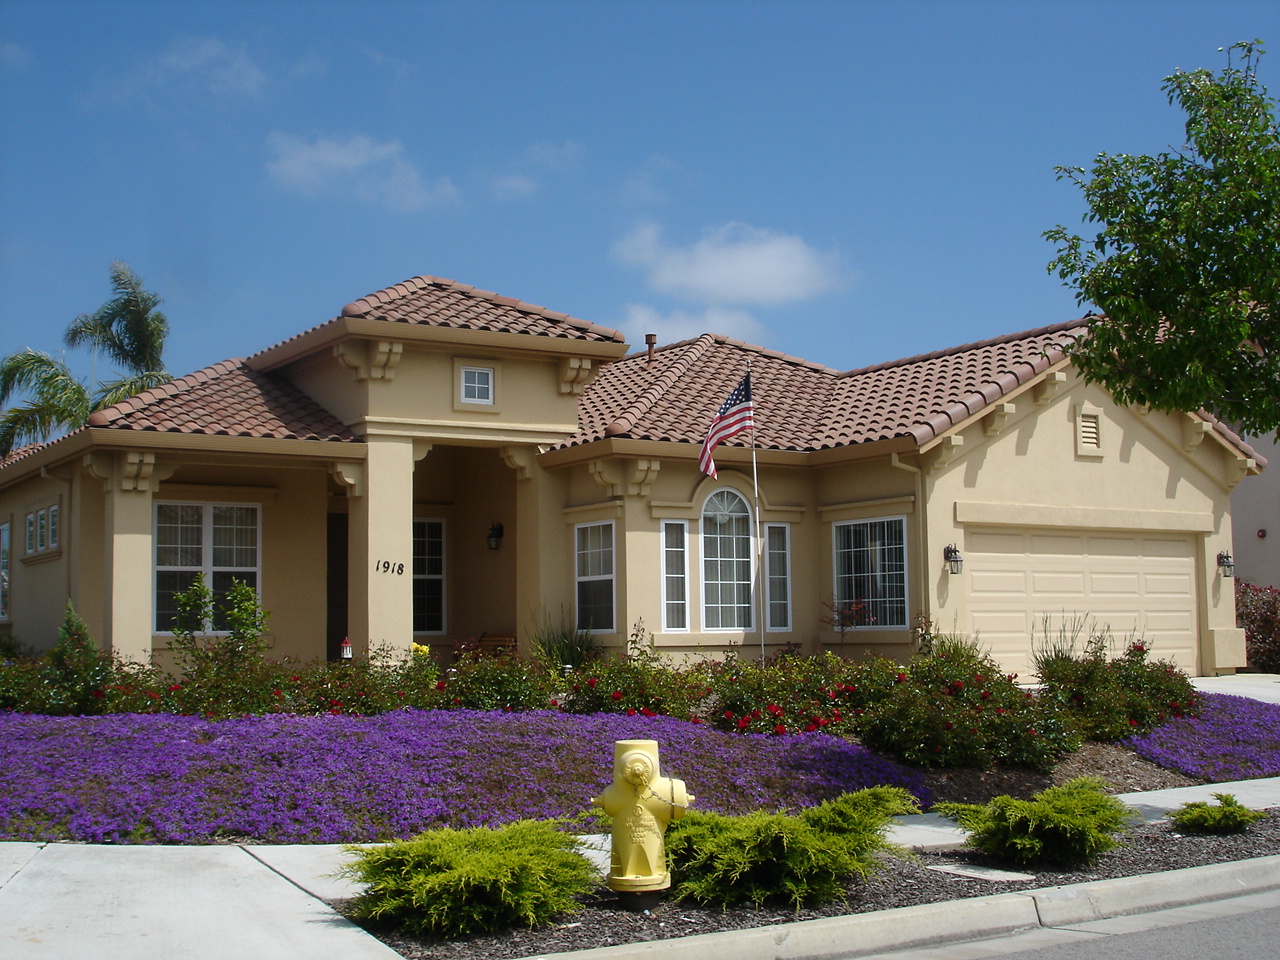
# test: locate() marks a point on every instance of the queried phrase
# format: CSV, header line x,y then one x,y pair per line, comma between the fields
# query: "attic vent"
x,y
1088,430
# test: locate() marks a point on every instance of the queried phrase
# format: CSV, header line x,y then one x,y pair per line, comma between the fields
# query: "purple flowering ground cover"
x,y
1234,738
129,778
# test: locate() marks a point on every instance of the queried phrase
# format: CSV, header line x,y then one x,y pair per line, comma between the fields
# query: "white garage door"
x,y
1137,584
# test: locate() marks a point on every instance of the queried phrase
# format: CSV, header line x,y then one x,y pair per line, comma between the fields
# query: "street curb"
x,y
955,921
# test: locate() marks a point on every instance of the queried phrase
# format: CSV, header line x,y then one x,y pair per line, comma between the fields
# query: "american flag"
x,y
735,415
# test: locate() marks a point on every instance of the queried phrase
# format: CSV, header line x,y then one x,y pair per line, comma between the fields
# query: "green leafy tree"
x,y
1185,264
130,332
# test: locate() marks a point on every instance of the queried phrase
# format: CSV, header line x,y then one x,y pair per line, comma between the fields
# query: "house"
x,y
438,463
1255,512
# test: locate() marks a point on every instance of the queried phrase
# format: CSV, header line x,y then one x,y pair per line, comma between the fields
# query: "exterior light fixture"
x,y
1226,566
951,554
344,649
495,536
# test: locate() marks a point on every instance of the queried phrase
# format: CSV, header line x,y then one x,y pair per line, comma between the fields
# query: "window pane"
x,y
235,537
779,593
168,584
675,610
428,605
179,535
428,576
595,605
871,571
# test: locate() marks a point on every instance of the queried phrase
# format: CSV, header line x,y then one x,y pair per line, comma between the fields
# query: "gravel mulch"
x,y
1149,848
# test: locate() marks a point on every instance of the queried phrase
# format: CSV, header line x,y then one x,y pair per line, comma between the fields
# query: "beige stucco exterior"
x,y
336,548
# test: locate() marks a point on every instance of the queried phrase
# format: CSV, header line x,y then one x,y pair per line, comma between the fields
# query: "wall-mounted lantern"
x,y
951,554
495,536
1226,566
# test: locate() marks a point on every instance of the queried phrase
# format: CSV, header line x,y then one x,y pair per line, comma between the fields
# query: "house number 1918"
x,y
386,566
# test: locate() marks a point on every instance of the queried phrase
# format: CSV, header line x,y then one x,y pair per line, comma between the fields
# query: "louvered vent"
x,y
1089,431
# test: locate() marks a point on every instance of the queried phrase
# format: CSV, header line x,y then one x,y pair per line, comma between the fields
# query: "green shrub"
x,y
760,857
77,671
218,638
1258,611
457,883
559,646
1230,816
505,682
639,682
1111,698
956,708
1064,826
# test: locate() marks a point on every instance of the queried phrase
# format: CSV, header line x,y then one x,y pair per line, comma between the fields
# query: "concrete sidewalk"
x,y
60,901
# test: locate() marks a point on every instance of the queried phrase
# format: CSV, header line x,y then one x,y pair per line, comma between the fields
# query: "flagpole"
x,y
755,486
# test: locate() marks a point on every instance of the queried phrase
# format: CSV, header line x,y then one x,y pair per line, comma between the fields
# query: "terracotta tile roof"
x,y
21,453
805,406
226,399
926,395
436,302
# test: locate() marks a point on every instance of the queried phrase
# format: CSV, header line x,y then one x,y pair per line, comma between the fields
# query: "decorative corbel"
x,y
607,474
575,374
640,476
1050,386
946,451
421,448
1194,432
994,421
370,359
133,470
1238,469
350,475
519,459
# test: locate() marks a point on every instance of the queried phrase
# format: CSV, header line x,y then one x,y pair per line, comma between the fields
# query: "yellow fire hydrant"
x,y
641,802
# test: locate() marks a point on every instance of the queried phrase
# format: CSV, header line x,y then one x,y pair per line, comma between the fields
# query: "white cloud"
x,y
192,67
681,325
13,56
644,186
524,178
374,171
735,263
513,187
211,64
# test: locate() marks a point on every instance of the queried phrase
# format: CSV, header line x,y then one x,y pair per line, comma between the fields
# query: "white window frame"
x,y
442,577
883,576
42,529
579,578
704,559
206,547
681,575
785,598
490,385
55,534
6,560
31,533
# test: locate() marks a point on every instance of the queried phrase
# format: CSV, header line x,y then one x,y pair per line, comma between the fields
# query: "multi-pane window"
x,y
428,576
593,549
43,531
31,533
675,576
871,572
4,571
477,385
54,533
726,562
777,565
216,540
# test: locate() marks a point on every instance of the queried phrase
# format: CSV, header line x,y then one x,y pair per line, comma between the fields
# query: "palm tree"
x,y
130,331
127,328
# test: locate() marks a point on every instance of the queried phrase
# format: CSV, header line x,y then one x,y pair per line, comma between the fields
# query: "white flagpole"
x,y
761,579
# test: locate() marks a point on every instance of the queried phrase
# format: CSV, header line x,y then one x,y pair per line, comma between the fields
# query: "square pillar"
x,y
380,548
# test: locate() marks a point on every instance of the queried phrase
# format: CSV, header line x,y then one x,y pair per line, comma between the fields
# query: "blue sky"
x,y
847,182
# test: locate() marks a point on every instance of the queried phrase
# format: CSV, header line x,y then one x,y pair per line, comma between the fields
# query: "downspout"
x,y
923,526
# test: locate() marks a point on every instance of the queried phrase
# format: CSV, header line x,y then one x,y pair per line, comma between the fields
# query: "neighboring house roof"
x,y
804,406
21,453
435,302
226,399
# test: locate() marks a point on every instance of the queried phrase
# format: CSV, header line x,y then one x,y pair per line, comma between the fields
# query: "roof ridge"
x,y
101,418
361,306
966,347
631,414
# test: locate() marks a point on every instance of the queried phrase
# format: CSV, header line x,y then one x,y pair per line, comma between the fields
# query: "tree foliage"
x,y
129,331
1185,264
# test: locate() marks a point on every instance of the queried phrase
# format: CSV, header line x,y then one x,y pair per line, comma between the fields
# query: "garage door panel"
x,y
1123,584
999,583
1024,583
1048,585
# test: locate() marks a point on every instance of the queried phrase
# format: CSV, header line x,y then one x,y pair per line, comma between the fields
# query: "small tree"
x,y
1186,263
217,636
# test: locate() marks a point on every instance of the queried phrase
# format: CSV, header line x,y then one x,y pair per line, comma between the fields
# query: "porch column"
x,y
129,480
544,547
380,546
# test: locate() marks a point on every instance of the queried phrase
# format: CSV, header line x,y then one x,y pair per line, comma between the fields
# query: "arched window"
x,y
726,562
